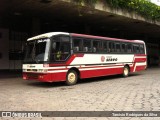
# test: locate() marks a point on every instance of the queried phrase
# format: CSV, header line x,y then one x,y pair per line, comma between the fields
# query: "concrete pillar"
x,y
146,40
4,49
36,26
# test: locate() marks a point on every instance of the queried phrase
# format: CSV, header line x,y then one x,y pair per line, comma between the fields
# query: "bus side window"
x,y
141,49
105,47
136,48
123,48
118,47
96,46
77,45
129,48
111,47
87,45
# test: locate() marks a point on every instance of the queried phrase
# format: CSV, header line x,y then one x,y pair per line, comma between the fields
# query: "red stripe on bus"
x,y
101,66
58,69
85,67
64,64
70,59
139,68
59,65
103,72
140,60
79,55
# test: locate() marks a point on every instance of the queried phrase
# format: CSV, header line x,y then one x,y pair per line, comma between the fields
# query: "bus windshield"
x,y
37,50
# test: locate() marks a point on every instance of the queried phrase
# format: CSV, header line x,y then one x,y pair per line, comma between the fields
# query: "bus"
x,y
61,56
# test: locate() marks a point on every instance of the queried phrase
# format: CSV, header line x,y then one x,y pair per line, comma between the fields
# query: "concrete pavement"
x,y
138,92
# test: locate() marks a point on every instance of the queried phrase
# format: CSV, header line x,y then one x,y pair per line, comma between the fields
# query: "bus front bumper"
x,y
43,77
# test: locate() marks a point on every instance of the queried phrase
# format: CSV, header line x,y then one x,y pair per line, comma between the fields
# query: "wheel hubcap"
x,y
71,77
125,71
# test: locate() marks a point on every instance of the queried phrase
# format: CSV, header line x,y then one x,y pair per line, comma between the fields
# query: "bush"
x,y
142,7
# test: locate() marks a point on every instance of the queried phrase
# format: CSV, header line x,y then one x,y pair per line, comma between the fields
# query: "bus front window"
x,y
37,50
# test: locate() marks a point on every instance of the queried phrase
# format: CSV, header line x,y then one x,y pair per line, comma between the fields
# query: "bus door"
x,y
60,48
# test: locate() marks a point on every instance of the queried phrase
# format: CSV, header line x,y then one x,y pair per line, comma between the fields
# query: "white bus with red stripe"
x,y
59,56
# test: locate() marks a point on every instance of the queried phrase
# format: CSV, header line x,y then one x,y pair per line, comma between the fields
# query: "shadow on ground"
x,y
10,74
82,81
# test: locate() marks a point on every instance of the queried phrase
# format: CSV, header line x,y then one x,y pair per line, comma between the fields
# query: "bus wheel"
x,y
72,77
125,71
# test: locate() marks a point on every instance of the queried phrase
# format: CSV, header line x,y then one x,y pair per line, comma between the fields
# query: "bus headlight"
x,y
45,70
24,70
42,70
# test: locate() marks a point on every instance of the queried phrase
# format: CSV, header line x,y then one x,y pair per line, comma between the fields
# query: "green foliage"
x,y
142,7
89,2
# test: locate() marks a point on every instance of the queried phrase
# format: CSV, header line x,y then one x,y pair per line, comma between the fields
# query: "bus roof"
x,y
46,35
50,34
105,38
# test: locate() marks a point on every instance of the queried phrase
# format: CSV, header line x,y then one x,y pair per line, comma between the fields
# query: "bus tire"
x,y
72,77
125,71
